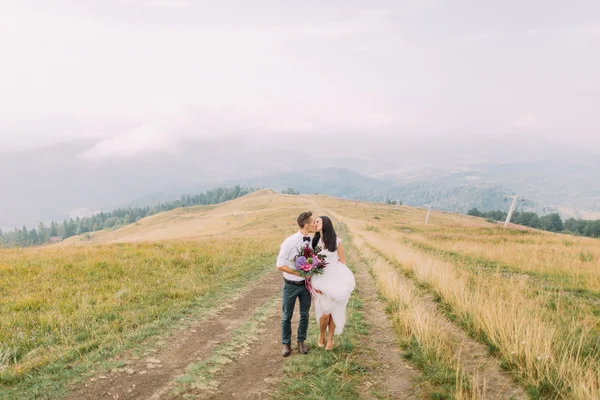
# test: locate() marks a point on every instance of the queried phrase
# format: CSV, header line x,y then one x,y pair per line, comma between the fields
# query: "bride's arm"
x,y
341,254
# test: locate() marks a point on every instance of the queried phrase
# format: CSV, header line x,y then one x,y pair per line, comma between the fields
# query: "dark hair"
x,y
302,218
329,236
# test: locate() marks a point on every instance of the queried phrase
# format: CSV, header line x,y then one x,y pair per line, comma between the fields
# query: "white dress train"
x,y
337,284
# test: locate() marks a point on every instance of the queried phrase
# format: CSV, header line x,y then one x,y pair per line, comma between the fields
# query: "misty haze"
x,y
421,176
452,106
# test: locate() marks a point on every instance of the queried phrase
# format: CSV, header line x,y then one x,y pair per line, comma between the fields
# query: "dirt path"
x,y
391,376
152,377
255,375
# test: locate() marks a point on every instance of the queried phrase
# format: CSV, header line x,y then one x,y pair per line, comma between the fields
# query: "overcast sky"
x,y
143,73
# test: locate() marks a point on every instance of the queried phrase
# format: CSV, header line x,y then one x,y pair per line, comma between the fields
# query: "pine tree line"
x,y
105,220
551,222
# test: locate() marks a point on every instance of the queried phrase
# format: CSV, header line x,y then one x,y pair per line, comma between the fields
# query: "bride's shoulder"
x,y
339,240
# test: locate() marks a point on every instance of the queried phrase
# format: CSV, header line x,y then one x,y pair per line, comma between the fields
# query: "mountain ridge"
x,y
56,181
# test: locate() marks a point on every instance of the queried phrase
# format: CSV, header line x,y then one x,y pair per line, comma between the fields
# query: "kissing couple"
x,y
332,288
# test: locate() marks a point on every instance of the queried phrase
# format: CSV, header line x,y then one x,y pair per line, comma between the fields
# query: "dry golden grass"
x,y
552,359
433,341
386,216
412,318
262,212
574,262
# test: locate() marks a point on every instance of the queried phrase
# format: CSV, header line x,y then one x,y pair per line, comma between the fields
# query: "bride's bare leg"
x,y
330,336
323,323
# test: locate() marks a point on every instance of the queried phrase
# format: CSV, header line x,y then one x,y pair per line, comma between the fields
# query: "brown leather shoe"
x,y
302,348
287,350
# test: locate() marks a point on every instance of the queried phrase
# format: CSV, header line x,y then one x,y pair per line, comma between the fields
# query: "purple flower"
x,y
300,261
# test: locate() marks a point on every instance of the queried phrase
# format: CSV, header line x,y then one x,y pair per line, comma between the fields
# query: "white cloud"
x,y
156,130
146,139
532,32
526,121
584,30
470,39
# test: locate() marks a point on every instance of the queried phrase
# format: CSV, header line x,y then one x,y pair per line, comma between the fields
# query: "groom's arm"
x,y
287,269
283,259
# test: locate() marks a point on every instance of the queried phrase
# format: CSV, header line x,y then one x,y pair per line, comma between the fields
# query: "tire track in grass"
x,y
204,379
436,342
152,376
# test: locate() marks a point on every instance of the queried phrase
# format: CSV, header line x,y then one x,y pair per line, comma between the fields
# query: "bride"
x,y
334,286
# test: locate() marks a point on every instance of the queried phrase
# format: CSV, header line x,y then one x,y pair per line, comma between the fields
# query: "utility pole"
x,y
512,209
428,212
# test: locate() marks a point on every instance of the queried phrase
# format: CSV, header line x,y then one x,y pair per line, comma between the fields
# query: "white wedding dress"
x,y
337,283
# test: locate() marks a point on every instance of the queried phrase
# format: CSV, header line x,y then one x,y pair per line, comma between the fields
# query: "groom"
x,y
294,286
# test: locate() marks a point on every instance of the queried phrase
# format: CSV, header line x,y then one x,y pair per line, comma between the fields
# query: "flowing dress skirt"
x,y
337,284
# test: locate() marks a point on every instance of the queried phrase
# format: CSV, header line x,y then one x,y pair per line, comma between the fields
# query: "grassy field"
x,y
66,309
570,263
530,296
59,305
533,298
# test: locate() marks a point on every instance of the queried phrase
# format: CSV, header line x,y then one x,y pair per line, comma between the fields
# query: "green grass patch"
x,y
324,374
440,378
64,312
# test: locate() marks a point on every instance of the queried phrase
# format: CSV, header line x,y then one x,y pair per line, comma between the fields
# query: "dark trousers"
x,y
290,294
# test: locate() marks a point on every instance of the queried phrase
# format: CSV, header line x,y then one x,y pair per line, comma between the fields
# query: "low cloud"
x,y
585,30
146,139
158,130
526,121
166,132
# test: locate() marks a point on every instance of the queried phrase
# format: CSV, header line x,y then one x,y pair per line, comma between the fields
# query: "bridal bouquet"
x,y
308,261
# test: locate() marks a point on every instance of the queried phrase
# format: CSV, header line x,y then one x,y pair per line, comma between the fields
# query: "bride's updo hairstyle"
x,y
329,236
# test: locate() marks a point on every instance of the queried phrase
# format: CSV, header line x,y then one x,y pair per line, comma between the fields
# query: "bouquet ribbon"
x,y
311,289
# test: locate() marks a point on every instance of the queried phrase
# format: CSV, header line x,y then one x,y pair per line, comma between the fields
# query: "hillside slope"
x,y
187,303
257,212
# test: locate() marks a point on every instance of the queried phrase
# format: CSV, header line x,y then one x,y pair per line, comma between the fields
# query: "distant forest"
x,y
111,220
551,222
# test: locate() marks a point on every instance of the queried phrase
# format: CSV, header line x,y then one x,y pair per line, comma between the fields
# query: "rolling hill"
x,y
258,211
186,303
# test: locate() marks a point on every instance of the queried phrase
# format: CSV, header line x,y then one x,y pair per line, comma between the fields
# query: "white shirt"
x,y
288,250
